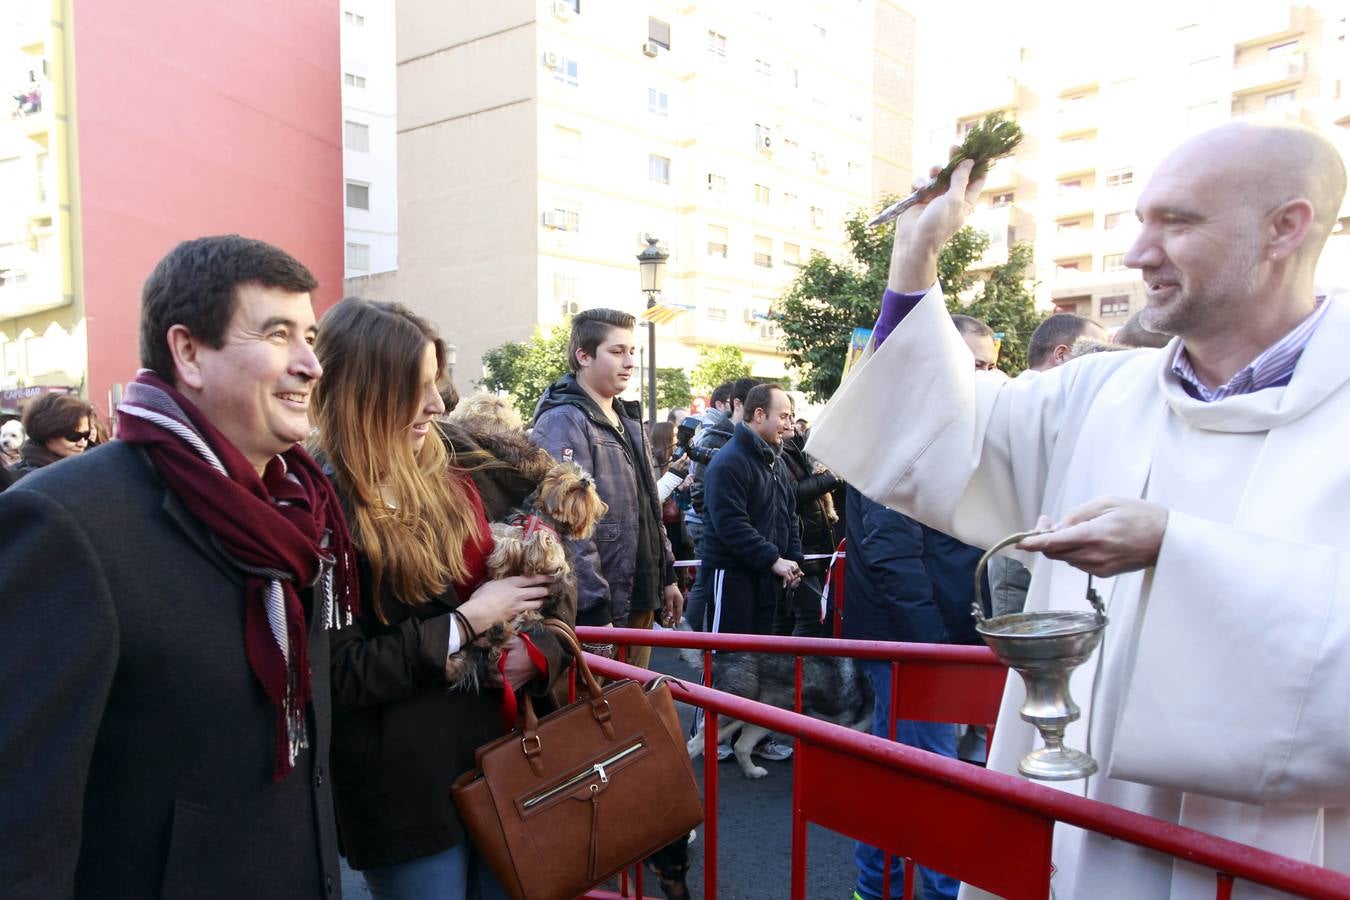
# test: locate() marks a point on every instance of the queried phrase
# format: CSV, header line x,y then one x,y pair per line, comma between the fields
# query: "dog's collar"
x,y
531,523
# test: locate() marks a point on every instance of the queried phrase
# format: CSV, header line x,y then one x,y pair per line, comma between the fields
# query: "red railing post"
x,y
1225,887
709,788
798,813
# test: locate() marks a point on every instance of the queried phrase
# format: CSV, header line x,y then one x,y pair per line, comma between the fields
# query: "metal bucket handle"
x,y
1092,596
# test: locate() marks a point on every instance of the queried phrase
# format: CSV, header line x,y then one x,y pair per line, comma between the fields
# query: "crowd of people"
x,y
231,642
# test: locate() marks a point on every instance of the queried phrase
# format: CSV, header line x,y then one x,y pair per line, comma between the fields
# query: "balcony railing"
x,y
1267,74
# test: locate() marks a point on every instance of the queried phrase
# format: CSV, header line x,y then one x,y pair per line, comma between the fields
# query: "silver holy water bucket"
x,y
1044,648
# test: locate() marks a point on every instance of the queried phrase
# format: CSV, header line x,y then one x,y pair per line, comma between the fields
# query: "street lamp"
x,y
652,269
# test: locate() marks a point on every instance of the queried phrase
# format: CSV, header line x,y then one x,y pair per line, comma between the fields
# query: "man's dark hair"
x,y
590,327
759,397
741,387
722,393
971,325
1061,328
197,285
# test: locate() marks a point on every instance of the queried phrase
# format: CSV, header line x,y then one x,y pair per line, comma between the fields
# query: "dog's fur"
x,y
569,507
11,438
834,689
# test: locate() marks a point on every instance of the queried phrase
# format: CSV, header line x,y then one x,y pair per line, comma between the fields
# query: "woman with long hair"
x,y
400,735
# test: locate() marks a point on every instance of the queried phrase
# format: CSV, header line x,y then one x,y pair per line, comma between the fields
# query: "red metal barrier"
x,y
846,781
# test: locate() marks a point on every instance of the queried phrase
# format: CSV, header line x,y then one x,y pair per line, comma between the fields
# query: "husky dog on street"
x,y
834,690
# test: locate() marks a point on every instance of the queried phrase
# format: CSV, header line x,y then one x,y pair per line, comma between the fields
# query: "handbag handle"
x,y
529,740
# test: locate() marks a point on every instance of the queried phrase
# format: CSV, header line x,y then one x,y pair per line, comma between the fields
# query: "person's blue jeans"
x,y
937,737
441,876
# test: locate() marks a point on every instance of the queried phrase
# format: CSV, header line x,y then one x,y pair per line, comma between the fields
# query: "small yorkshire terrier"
x,y
565,506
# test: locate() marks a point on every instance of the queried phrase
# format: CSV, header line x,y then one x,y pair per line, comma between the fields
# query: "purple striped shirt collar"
x,y
1273,368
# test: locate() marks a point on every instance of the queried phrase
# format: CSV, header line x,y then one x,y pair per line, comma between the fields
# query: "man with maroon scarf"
x,y
165,611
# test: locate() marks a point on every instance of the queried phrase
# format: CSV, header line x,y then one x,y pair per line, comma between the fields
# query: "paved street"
x,y
754,845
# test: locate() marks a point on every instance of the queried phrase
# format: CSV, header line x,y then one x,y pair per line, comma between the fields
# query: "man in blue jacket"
x,y
625,571
751,546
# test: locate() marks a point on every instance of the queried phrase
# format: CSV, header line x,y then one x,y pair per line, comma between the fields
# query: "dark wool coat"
x,y
750,504
136,745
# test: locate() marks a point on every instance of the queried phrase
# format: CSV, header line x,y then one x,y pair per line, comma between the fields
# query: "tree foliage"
x,y
525,369
715,365
673,390
829,298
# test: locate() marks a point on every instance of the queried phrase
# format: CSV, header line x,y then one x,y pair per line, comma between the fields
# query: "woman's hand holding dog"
x,y
504,599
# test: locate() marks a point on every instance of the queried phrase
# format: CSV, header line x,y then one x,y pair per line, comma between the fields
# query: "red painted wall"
x,y
198,117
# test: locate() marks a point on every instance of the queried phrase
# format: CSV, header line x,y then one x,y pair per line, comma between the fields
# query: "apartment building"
x,y
542,141
1097,121
369,137
42,332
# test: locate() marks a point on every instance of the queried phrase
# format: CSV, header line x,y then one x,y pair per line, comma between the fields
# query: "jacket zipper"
x,y
580,777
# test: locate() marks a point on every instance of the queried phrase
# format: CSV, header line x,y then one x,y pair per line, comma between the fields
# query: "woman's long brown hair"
x,y
410,516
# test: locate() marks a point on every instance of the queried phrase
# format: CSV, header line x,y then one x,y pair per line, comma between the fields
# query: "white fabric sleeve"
x,y
456,639
667,485
1238,688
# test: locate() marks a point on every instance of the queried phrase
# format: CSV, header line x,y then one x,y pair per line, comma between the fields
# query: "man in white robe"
x,y
1206,486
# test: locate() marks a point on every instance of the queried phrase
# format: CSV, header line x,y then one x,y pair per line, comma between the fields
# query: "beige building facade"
x,y
540,143
1097,121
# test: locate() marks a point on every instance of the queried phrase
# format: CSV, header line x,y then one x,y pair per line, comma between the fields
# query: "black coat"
x,y
400,737
750,507
904,581
817,531
136,745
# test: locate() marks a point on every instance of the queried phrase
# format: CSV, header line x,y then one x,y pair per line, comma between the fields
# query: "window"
x,y
819,30
658,102
1282,52
358,195
762,195
358,257
792,255
565,294
764,252
351,80
790,200
567,143
717,44
1113,262
1071,226
999,200
1119,177
658,32
854,170
1066,267
964,128
817,217
764,68
717,183
354,19
356,136
658,168
574,4
1283,98
1116,305
821,163
562,219
1068,188
565,71
717,241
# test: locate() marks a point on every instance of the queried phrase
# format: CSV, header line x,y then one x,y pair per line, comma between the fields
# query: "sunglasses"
x,y
76,437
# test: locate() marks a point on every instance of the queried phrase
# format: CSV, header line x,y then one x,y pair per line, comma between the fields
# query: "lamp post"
x,y
652,268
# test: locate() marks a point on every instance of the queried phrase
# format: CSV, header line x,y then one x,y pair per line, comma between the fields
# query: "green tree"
x,y
524,369
673,390
828,299
724,362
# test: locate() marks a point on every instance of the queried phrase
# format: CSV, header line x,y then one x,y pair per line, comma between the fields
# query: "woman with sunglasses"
x,y
57,427
400,736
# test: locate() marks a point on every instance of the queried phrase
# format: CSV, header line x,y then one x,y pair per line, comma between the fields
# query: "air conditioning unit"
x,y
551,60
766,142
553,218
768,331
650,49
750,318
562,10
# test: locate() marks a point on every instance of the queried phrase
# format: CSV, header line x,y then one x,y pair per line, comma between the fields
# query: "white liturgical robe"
x,y
1220,698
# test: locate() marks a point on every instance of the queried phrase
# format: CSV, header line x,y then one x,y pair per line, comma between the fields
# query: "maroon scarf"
x,y
283,531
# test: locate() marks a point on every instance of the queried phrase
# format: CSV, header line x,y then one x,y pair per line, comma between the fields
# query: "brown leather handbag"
x,y
564,802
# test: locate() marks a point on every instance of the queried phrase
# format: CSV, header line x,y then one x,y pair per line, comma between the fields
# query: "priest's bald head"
x,y
1232,224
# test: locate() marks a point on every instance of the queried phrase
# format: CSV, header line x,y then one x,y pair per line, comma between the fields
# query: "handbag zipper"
x,y
597,769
